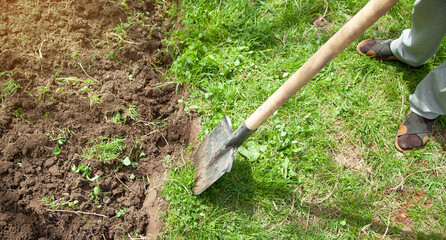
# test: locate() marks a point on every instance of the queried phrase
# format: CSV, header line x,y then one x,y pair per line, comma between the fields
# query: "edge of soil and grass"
x,y
324,165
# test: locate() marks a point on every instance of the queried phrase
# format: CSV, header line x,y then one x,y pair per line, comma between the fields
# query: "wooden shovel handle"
x,y
365,18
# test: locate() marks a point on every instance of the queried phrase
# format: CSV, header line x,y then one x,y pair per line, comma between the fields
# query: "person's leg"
x,y
429,99
426,104
416,45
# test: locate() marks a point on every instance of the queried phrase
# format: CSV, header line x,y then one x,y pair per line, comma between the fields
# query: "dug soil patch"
x,y
87,119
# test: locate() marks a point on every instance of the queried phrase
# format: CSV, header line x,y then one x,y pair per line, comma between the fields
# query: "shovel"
x,y
214,155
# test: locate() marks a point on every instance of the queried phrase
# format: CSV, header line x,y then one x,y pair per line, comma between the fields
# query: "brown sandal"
x,y
414,132
377,48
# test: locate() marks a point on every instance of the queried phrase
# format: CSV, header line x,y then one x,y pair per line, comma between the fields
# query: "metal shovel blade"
x,y
213,158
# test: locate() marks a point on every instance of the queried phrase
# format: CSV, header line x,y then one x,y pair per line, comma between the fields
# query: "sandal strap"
x,y
415,125
382,48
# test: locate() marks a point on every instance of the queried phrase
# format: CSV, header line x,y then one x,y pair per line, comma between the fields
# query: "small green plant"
x,y
167,161
11,86
95,99
19,113
84,170
41,90
85,89
122,3
111,55
47,116
131,113
54,203
60,90
122,118
127,162
61,137
104,149
96,194
57,150
73,56
120,213
116,118
90,61
120,29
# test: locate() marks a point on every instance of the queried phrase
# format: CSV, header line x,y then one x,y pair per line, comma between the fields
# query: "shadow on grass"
x,y
237,189
362,222
238,192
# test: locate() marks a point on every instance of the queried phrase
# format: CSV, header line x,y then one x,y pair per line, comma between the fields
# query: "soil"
x,y
90,72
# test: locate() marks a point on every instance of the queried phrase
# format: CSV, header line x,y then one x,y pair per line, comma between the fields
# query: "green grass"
x,y
104,149
324,166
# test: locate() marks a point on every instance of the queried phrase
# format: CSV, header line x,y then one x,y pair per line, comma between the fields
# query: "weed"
x,y
111,55
117,118
104,149
11,86
41,90
163,84
96,195
54,203
85,170
90,61
135,154
120,29
56,150
167,161
127,162
122,3
131,113
95,99
73,56
60,90
120,213
19,113
60,137
188,107
122,118
47,116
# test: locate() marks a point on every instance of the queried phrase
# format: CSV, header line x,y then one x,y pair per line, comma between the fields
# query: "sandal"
x,y
377,48
414,132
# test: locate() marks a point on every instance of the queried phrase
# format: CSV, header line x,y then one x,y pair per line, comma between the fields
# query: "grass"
x,y
324,165
121,117
104,149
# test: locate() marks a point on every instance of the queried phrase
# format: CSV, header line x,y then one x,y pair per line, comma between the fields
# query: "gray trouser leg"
x,y
415,46
429,99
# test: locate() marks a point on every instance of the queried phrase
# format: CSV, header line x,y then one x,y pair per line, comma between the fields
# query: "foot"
x,y
414,132
377,48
